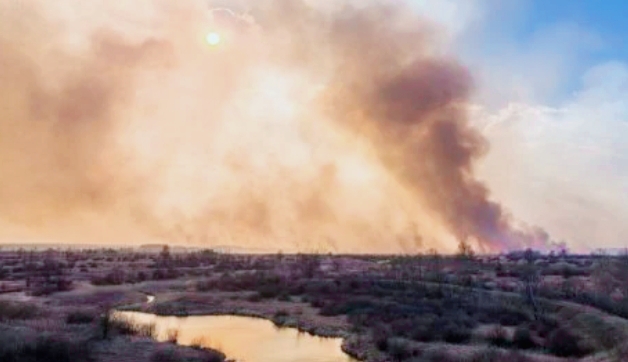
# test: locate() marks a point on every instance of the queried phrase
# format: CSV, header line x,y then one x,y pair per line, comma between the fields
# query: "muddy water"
x,y
244,339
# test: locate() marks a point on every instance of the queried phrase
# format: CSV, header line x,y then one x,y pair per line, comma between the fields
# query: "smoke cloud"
x,y
309,127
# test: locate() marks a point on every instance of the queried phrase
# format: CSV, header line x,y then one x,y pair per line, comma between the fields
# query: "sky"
x,y
307,127
553,102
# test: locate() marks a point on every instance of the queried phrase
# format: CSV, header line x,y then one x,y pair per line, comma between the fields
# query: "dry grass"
x,y
127,327
172,336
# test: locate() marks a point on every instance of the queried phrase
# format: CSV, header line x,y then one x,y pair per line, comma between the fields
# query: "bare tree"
x,y
465,250
603,275
309,264
466,260
622,273
418,266
165,256
435,264
611,274
531,278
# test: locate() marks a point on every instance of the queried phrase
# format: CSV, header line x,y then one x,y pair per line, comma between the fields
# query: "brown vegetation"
x,y
523,305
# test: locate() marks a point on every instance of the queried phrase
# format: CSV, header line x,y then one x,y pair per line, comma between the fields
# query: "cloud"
x,y
566,167
554,114
454,16
537,69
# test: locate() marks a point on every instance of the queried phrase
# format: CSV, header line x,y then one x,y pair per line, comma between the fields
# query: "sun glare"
x,y
213,38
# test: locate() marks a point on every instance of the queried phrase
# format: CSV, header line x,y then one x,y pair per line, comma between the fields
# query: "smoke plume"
x,y
311,127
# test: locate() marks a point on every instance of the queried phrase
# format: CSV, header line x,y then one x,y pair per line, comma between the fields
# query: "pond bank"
x,y
240,338
283,314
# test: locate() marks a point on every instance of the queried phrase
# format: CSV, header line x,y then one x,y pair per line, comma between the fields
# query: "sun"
x,y
213,38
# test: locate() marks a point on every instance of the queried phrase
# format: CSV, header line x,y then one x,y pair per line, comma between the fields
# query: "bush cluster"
x,y
13,310
80,317
45,349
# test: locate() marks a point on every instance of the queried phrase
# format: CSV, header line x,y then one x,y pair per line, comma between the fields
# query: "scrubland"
x,y
524,306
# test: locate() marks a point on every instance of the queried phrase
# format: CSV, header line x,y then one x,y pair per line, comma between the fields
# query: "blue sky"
x,y
570,35
604,21
606,17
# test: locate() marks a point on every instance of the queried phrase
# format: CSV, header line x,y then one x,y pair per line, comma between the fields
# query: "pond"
x,y
243,339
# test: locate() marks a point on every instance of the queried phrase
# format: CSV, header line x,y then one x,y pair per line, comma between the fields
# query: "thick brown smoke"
x,y
313,127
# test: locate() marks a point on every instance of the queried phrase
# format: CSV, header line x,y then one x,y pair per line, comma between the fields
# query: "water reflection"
x,y
244,339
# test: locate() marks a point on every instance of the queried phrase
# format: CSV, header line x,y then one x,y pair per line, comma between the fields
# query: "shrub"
x,y
498,337
12,310
46,349
213,356
350,307
456,334
171,354
166,355
205,285
436,355
281,313
47,288
269,291
517,356
381,344
255,297
114,277
126,327
281,318
563,343
380,335
545,326
398,349
487,355
422,333
513,317
522,339
284,297
80,317
317,302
